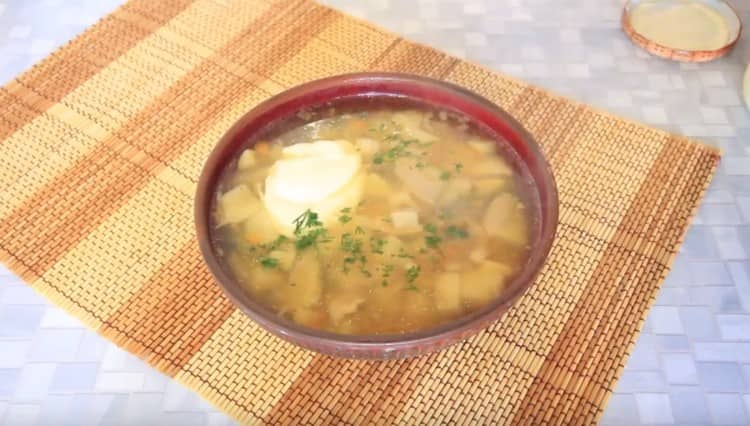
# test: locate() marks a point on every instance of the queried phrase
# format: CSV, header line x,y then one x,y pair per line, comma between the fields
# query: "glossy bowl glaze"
x,y
345,89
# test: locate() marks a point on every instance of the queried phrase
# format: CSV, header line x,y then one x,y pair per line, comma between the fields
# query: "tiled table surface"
x,y
692,361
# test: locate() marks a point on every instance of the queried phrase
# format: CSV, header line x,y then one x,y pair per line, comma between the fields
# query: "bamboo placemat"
x,y
101,145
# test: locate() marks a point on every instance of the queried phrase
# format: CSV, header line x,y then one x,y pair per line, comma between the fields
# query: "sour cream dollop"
x,y
323,176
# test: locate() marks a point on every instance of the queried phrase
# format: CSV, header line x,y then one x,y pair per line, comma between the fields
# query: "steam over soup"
x,y
380,222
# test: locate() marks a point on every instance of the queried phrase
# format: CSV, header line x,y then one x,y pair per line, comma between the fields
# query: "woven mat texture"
x,y
102,143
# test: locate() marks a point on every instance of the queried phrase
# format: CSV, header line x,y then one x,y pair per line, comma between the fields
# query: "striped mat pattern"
x,y
103,141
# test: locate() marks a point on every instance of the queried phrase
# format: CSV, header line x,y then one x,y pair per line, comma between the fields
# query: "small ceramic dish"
x,y
720,7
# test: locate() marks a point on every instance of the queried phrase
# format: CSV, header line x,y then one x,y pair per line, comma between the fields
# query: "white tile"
x,y
34,383
475,39
57,318
21,295
19,31
734,327
58,345
14,353
119,382
21,414
714,115
712,78
666,320
654,408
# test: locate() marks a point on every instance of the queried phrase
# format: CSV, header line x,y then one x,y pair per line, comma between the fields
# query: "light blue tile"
x,y
740,272
721,376
689,405
74,377
14,353
654,408
700,243
644,355
727,409
632,381
57,345
709,273
734,327
679,368
621,410
722,351
34,382
743,202
680,274
720,214
728,242
666,320
698,322
673,343
8,380
20,320
721,299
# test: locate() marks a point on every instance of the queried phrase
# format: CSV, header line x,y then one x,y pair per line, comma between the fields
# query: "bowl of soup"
x,y
375,215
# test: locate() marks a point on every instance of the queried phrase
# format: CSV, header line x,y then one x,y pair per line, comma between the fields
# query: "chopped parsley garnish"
x,y
377,244
445,175
412,273
459,167
309,230
386,273
399,150
345,218
403,254
311,238
455,232
353,249
308,219
420,165
269,262
432,241
275,244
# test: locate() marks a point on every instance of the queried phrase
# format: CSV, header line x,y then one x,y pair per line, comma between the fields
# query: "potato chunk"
x,y
236,205
305,279
448,292
481,285
405,221
342,304
504,219
246,160
424,183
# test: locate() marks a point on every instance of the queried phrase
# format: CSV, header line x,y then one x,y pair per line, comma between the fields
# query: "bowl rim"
x,y
673,53
392,342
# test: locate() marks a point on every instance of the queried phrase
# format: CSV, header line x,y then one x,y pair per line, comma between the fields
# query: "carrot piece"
x,y
262,148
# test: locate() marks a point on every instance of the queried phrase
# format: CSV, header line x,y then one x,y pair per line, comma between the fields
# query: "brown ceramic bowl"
x,y
363,88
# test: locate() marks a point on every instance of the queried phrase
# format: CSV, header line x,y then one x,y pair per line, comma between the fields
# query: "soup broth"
x,y
384,221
